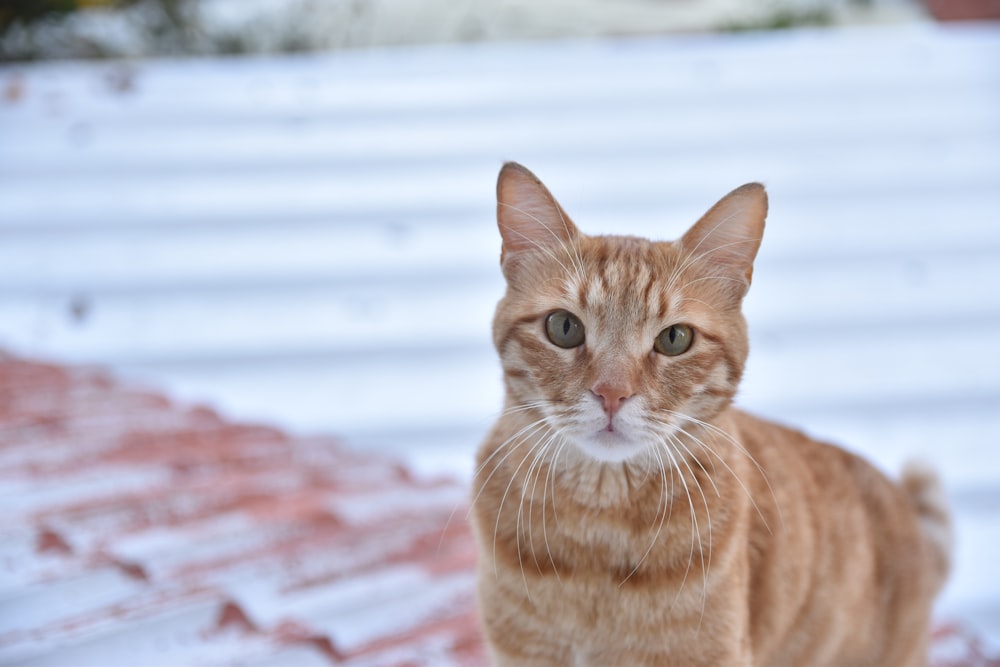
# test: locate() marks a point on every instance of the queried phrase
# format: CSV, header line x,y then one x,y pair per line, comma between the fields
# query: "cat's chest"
x,y
613,547
614,605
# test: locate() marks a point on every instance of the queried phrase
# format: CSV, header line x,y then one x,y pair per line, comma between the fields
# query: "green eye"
x,y
564,329
674,340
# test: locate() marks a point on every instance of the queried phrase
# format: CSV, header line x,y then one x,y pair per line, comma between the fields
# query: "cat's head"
x,y
617,341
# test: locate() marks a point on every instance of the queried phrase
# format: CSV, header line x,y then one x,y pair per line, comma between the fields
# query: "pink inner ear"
x,y
728,236
528,215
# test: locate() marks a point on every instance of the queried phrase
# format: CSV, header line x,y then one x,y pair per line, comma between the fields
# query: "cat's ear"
x,y
728,236
529,217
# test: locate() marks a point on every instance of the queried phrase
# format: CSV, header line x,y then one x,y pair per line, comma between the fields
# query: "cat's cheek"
x,y
711,396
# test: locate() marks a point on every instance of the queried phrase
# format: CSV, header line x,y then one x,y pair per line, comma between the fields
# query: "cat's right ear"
x,y
529,217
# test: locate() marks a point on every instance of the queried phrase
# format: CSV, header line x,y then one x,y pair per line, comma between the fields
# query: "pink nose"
x,y
613,395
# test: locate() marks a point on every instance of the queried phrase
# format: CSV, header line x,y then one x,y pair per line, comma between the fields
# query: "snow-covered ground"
x,y
310,240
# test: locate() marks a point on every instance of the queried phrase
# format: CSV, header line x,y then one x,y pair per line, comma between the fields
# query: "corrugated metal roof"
x,y
139,532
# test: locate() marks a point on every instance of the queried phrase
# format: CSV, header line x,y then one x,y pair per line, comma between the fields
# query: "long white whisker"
x,y
527,431
517,533
550,473
555,462
523,407
667,509
705,565
694,519
518,439
535,467
716,431
680,443
732,472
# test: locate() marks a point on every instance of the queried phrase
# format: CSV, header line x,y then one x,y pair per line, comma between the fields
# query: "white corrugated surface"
x,y
311,240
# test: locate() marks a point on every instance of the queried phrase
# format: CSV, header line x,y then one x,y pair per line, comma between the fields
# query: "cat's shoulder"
x,y
758,431
754,427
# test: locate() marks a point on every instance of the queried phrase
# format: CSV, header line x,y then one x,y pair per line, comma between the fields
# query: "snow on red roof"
x,y
139,532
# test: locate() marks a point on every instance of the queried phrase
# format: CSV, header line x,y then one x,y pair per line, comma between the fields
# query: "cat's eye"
x,y
674,340
564,329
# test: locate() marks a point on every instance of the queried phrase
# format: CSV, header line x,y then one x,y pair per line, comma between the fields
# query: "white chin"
x,y
609,447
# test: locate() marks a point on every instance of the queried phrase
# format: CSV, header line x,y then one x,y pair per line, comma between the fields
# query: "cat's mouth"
x,y
611,445
610,439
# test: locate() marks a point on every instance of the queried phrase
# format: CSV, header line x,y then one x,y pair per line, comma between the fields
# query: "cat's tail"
x,y
923,486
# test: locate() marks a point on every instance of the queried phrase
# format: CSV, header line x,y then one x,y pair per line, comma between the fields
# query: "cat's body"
x,y
627,515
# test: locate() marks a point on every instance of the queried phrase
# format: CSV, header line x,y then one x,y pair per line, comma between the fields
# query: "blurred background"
x,y
284,209
116,28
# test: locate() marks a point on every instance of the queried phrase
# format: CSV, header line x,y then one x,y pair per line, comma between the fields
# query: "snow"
x,y
24,497
42,604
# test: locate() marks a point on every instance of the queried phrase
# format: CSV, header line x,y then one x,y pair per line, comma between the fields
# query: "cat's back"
x,y
823,515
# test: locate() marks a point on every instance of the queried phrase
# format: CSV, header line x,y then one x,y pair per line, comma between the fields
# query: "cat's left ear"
x,y
529,217
728,236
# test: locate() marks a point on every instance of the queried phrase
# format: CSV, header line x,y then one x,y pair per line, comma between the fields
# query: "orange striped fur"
x,y
627,515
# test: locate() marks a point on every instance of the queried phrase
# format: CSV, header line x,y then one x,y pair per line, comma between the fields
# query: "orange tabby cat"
x,y
626,515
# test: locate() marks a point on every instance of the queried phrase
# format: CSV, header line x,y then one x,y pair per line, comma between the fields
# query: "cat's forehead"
x,y
623,276
620,261
618,245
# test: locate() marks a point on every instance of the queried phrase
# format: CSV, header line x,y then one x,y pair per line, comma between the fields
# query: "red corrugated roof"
x,y
136,530
140,532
